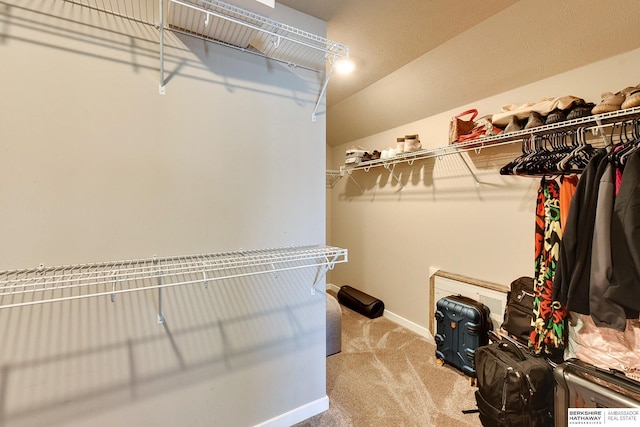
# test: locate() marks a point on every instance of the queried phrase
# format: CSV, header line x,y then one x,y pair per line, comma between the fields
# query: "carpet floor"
x,y
387,375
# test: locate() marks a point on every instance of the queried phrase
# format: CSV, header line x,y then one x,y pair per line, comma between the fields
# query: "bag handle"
x,y
472,111
508,344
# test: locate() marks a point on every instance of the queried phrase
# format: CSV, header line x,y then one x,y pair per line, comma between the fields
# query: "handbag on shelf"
x,y
459,126
483,128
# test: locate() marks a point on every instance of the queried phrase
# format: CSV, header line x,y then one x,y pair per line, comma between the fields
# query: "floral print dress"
x,y
548,334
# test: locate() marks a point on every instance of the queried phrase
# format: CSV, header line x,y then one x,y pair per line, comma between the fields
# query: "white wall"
x,y
95,165
440,218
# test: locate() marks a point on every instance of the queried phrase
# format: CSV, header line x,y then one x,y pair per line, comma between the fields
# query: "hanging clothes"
x,y
548,335
604,312
625,236
568,184
572,278
618,172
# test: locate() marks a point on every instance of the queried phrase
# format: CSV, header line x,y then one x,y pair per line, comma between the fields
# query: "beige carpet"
x,y
387,375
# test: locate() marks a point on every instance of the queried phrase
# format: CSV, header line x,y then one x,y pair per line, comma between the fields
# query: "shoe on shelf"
x,y
412,143
534,120
555,116
513,125
632,98
609,102
581,110
388,153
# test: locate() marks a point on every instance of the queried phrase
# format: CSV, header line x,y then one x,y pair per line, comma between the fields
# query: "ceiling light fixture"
x,y
345,65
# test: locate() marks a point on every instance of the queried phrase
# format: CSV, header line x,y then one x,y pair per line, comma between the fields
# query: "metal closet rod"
x,y
53,284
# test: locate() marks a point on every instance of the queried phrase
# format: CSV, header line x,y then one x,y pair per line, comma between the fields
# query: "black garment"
x,y
625,240
604,312
572,278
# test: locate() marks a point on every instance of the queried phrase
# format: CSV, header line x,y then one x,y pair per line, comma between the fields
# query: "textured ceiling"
x,y
384,35
419,58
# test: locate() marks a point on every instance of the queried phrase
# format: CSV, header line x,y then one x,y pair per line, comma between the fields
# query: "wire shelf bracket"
x,y
333,176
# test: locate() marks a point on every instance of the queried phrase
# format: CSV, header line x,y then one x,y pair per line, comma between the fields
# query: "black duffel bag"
x,y
358,301
518,314
515,388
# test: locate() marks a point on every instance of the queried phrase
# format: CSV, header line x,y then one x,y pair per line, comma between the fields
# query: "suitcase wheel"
x,y
439,339
440,362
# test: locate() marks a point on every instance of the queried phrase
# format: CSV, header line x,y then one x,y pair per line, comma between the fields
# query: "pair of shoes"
x,y
367,157
412,143
581,109
354,155
408,144
534,120
577,108
555,116
627,98
609,102
632,99
388,153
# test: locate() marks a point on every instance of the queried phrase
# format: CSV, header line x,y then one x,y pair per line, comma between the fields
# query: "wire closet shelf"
x,y
224,23
594,123
219,22
70,282
228,25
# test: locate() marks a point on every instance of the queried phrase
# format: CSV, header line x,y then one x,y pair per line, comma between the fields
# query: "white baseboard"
x,y
420,330
298,415
332,287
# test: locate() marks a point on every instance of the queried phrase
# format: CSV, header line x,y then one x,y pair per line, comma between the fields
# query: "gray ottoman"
x,y
334,325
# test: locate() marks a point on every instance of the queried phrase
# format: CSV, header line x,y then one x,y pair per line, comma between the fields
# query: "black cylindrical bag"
x,y
360,302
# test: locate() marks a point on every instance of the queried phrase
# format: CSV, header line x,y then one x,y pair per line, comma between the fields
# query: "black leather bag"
x,y
515,388
518,314
358,301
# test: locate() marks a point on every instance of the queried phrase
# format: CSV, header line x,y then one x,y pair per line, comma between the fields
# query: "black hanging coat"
x,y
625,240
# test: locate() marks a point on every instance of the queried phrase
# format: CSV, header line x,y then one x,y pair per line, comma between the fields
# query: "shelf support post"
x,y
161,29
113,286
329,266
324,90
354,180
160,318
206,279
602,133
475,178
391,168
